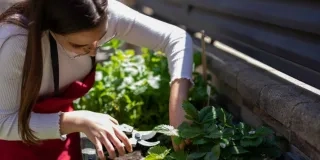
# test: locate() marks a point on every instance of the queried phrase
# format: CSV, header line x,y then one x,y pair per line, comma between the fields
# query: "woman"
x,y
47,50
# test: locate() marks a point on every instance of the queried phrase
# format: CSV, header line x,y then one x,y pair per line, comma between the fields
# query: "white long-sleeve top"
x,y
130,26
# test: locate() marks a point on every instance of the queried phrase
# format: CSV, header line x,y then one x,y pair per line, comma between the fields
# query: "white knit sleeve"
x,y
141,30
12,54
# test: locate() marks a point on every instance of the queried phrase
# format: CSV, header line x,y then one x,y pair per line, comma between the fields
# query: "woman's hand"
x,y
101,129
178,94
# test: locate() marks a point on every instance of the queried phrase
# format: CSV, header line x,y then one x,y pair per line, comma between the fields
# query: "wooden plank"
x,y
303,16
298,48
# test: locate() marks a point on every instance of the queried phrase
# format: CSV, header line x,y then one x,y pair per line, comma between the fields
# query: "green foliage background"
x,y
134,88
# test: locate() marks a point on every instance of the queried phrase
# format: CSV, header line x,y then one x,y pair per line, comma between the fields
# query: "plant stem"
x,y
203,55
204,66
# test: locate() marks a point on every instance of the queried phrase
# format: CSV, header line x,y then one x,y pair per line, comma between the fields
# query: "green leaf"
x,y
190,110
177,140
157,150
190,132
212,131
157,153
166,130
196,155
228,132
200,141
215,135
221,115
229,118
197,59
243,128
216,150
246,142
224,141
189,117
210,128
152,157
183,125
207,114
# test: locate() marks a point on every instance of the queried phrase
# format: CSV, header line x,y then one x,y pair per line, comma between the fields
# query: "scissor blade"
x,y
148,144
145,135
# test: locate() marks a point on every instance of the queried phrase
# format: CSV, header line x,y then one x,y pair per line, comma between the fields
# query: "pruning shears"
x,y
136,138
139,137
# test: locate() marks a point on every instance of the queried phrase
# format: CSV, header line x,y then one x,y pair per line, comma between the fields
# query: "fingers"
x,y
106,142
124,139
99,149
121,135
117,143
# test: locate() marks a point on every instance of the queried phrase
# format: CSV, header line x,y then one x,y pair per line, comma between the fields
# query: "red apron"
x,y
56,149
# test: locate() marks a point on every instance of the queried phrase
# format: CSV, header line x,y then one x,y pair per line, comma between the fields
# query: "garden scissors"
x,y
136,138
139,137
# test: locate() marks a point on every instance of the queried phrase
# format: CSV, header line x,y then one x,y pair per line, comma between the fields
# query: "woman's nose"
x,y
93,48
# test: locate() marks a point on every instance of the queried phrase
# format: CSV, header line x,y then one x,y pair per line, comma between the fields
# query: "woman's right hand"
x,y
101,129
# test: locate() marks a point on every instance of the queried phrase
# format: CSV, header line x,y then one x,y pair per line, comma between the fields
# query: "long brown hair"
x,y
59,16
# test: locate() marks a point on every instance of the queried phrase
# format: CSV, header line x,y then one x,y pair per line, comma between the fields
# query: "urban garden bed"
x,y
134,89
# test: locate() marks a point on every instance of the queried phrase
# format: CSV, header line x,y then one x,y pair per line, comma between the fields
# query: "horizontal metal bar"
x,y
303,15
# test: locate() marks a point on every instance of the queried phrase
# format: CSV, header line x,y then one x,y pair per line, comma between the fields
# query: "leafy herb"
x,y
215,137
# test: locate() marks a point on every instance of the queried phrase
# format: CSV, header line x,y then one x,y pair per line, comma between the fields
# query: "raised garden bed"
x,y
134,89
214,135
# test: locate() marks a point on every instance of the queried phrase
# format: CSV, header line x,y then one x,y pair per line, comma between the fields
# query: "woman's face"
x,y
84,42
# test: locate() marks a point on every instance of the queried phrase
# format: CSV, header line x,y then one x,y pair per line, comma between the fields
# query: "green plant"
x,y
128,85
215,136
134,88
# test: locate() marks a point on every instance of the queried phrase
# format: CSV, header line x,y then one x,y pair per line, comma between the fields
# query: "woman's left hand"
x,y
178,94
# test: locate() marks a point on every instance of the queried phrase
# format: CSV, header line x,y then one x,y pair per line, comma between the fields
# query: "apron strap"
x,y
55,64
93,63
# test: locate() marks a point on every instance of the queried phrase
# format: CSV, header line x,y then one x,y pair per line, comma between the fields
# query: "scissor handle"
x,y
127,129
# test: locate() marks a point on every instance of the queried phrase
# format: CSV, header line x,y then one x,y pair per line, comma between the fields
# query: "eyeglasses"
x,y
100,43
105,39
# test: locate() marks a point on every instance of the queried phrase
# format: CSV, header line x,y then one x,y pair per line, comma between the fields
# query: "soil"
x,y
136,155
